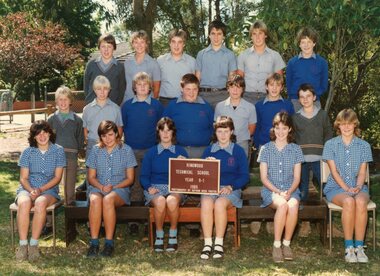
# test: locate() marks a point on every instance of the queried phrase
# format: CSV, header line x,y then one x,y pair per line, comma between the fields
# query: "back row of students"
x,y
213,66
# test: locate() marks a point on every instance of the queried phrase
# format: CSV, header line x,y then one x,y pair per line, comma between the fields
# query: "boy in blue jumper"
x,y
306,67
266,109
140,116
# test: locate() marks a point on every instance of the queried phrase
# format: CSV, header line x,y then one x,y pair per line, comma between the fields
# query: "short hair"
x,y
258,24
140,76
101,81
104,128
307,32
275,77
189,78
141,35
236,80
218,25
36,128
64,91
177,32
347,116
223,122
285,119
171,126
306,87
108,38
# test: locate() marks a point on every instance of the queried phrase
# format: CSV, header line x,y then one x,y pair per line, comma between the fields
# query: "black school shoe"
x,y
93,251
107,251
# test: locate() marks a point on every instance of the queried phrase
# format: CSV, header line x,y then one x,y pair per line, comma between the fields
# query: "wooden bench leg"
x,y
70,230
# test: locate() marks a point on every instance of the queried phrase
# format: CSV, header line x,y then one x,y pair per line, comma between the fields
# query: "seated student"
x,y
41,168
280,171
266,109
234,175
347,157
241,112
154,178
110,171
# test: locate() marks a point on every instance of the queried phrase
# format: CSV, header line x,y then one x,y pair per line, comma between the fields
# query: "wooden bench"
x,y
314,209
79,212
192,213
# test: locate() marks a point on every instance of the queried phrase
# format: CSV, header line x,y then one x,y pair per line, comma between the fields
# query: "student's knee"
x,y
221,205
207,204
172,203
349,204
361,203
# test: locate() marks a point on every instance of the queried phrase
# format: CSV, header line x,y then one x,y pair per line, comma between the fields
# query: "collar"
x,y
113,60
160,148
228,102
353,141
94,102
267,99
198,100
70,115
169,56
215,147
266,49
314,56
148,99
315,111
222,48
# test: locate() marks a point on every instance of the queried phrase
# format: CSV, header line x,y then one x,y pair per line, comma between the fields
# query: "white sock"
x,y
277,244
219,241
285,242
208,241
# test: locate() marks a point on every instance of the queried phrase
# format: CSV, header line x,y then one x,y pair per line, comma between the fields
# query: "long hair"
x,y
104,128
171,126
36,129
224,122
285,119
347,116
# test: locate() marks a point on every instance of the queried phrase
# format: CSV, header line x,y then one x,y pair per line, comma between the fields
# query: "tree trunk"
x,y
217,10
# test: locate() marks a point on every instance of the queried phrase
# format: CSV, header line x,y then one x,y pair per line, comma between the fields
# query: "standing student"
x,y
258,62
306,67
173,66
110,173
266,109
155,179
240,111
141,62
108,66
280,172
347,157
41,167
234,176
68,128
214,65
140,116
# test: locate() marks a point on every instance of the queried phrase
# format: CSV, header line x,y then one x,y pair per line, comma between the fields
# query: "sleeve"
x,y
123,111
85,118
252,116
50,121
328,153
263,154
182,151
278,62
327,129
122,84
23,162
290,108
192,64
366,153
118,119
198,61
232,64
289,77
324,77
79,133
160,110
156,72
86,81
206,153
61,158
240,61
299,158
129,157
218,110
91,161
242,173
168,110
146,170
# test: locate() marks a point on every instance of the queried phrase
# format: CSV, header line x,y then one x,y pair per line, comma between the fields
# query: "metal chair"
x,y
49,210
371,207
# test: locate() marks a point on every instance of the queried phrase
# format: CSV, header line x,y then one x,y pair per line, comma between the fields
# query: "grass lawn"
x,y
134,257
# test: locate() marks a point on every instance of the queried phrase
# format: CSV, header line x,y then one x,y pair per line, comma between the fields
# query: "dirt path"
x,y
12,144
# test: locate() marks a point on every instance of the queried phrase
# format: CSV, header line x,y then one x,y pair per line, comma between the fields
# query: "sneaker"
x,y
93,251
107,251
350,256
287,253
360,255
277,255
33,253
22,253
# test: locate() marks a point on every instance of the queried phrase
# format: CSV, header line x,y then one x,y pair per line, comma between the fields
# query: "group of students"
x,y
214,102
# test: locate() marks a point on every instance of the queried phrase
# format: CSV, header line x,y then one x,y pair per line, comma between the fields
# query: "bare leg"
x,y
24,204
95,214
172,203
39,218
361,216
220,213
348,213
207,216
281,206
159,204
291,218
110,202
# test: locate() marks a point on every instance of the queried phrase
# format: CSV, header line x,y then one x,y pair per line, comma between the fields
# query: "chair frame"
x,y
325,172
52,209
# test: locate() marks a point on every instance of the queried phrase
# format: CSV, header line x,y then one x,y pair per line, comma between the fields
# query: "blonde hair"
x,y
100,82
347,116
140,77
64,91
141,35
260,25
